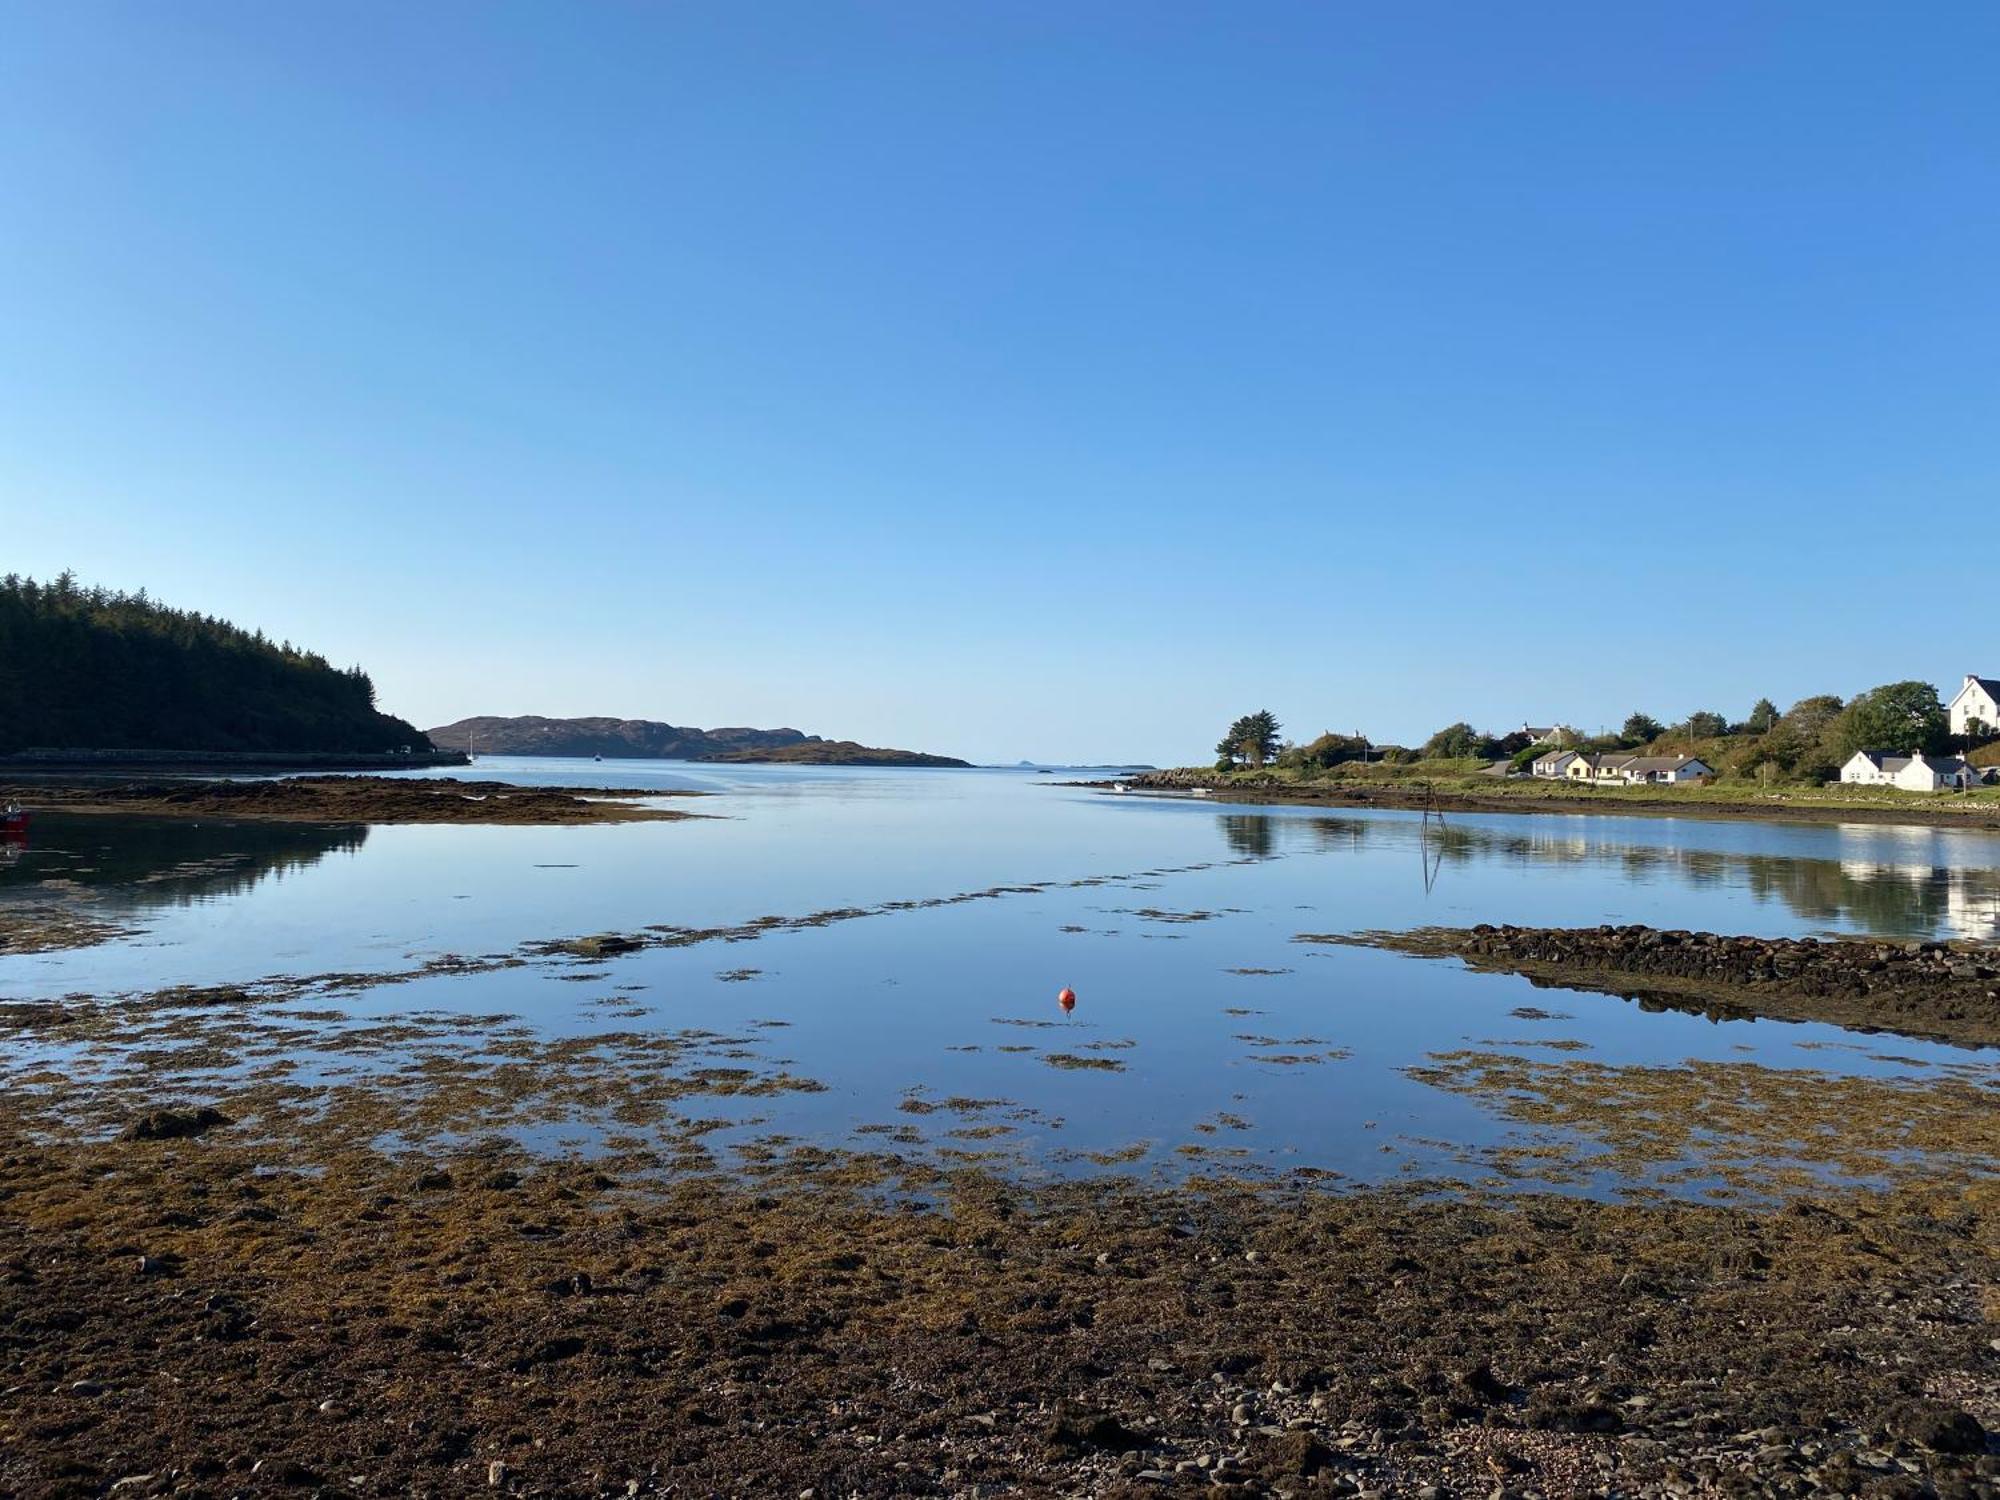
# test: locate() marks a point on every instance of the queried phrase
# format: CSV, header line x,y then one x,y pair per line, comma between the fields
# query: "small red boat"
x,y
13,819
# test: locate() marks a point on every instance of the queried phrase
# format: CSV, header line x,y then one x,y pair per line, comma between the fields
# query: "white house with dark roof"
x,y
1913,773
1977,702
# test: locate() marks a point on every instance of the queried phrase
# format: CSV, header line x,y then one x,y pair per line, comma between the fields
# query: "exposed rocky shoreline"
x,y
352,799
1942,991
183,1313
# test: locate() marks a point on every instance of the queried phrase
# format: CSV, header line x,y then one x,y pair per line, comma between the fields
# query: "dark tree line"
x,y
85,668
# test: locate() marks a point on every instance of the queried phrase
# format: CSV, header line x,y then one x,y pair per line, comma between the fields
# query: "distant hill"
x,y
649,739
818,752
87,669
645,739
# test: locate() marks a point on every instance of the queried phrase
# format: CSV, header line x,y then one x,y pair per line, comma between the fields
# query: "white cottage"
x,y
1913,773
1975,710
1665,769
1594,767
1624,767
1554,765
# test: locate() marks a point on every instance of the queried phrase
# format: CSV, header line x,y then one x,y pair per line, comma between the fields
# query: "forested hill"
x,y
85,669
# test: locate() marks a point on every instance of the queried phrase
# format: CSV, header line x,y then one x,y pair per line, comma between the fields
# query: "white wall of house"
x,y
1928,776
1972,702
1861,771
1918,776
1694,770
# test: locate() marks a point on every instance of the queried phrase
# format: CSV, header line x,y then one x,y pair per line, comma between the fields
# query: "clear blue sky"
x,y
1051,380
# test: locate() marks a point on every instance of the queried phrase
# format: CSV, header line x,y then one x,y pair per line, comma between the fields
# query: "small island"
x,y
817,752
654,739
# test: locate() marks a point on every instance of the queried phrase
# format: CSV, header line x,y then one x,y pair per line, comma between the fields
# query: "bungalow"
x,y
1665,770
1913,773
1598,766
1622,767
1977,703
1553,765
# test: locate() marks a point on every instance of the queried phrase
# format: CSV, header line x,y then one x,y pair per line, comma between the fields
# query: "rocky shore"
x,y
183,1312
1943,991
351,799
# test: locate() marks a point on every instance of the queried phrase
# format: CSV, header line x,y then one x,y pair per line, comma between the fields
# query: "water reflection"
x,y
1249,835
1917,894
142,862
1884,897
1431,850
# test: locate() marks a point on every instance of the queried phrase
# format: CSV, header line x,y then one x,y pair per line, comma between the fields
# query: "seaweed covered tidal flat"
x,y
195,1315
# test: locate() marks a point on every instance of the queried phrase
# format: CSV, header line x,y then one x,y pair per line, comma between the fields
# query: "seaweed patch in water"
x,y
1072,1061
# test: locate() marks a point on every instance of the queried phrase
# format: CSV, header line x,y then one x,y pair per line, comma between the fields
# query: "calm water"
x,y
1182,898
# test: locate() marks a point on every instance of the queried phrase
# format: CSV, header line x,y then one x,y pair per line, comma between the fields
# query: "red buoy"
x,y
1066,998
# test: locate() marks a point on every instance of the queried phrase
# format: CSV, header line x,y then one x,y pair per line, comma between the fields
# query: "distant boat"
x,y
597,757
1200,791
1119,786
14,819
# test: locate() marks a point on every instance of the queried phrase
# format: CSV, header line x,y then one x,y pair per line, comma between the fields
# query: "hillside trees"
x,y
1458,741
1640,729
88,668
1327,751
1802,743
1706,724
1898,716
